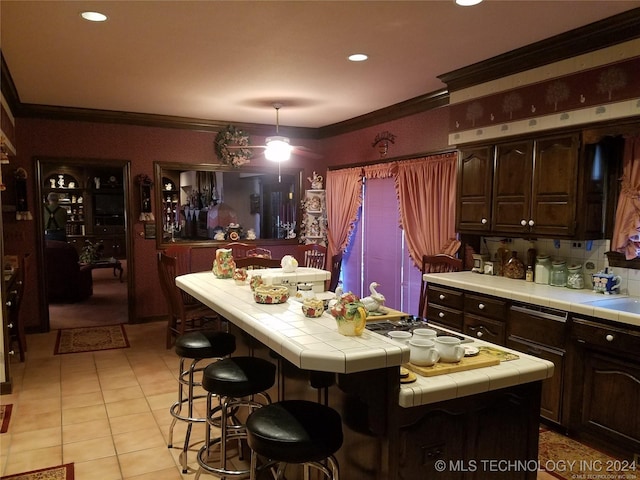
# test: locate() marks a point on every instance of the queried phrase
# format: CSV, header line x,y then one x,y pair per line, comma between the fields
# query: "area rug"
x,y
567,459
90,339
61,472
5,416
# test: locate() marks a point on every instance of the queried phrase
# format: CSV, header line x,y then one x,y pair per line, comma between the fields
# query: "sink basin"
x,y
630,305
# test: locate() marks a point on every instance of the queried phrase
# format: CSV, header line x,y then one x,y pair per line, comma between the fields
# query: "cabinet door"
x,y
475,171
512,187
554,186
481,327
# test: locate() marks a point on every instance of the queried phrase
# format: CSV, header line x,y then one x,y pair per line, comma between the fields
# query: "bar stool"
x,y
296,432
235,381
195,346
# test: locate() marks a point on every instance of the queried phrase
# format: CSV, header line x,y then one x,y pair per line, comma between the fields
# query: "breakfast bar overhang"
x,y
467,424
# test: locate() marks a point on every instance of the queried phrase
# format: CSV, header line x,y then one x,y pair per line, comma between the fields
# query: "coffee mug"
x,y
422,352
400,336
425,333
449,349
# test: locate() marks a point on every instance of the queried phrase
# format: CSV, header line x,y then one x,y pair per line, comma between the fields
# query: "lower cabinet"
x,y
605,386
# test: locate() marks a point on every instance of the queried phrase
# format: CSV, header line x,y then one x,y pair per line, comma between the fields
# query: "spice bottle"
x,y
529,274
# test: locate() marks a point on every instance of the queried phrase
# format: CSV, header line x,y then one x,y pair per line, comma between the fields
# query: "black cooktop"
x,y
408,324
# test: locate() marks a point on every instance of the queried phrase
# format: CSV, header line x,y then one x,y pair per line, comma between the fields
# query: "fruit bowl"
x,y
313,308
271,294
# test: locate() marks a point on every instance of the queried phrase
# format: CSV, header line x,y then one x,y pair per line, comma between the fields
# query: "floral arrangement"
x,y
144,180
91,252
233,137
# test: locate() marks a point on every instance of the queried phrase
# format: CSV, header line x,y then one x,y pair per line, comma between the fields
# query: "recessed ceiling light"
x,y
468,3
94,16
358,57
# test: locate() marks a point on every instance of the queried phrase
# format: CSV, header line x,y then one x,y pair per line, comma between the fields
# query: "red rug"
x,y
567,459
5,416
90,339
61,472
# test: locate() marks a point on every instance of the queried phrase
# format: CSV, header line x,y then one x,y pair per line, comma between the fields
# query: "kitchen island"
x,y
437,427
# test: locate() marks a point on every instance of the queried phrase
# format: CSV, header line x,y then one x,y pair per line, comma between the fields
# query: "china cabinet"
x,y
314,218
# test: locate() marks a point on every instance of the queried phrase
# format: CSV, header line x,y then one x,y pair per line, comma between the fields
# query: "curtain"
x,y
343,201
426,189
626,231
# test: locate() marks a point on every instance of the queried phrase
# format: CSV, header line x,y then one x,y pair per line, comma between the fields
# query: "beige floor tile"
x,y
106,468
138,440
82,400
42,391
162,400
121,381
158,388
28,423
88,450
78,386
78,432
130,423
166,474
145,461
127,407
119,394
41,405
28,460
83,414
44,438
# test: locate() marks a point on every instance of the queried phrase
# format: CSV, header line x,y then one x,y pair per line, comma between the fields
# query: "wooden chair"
x,y
252,263
439,263
238,249
336,267
183,317
182,254
312,255
259,252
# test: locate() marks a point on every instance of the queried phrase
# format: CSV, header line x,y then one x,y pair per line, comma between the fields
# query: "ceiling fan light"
x,y
468,3
278,149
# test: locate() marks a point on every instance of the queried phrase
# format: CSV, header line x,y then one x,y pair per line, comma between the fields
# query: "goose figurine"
x,y
334,300
374,301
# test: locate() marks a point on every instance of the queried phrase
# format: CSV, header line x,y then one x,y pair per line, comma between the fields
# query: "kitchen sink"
x,y
630,305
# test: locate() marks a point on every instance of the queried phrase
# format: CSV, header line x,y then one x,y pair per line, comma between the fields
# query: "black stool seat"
x,y
295,431
205,344
239,376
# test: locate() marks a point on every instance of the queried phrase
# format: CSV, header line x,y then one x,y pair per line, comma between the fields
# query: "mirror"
x,y
215,203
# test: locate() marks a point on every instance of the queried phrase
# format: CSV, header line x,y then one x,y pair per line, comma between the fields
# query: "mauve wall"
x,y
425,132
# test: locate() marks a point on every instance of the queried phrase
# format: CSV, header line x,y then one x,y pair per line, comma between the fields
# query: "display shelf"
x,y
314,221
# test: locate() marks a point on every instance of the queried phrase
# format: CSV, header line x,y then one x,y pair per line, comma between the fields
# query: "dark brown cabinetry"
x,y
530,187
95,203
484,317
444,306
541,332
605,385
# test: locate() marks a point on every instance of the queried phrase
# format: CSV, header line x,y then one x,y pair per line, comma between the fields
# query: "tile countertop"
x,y
315,344
562,298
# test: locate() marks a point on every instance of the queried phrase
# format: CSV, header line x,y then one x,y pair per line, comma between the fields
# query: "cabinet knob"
x,y
9,303
441,297
531,223
11,352
9,325
479,333
483,221
441,314
609,338
523,222
481,306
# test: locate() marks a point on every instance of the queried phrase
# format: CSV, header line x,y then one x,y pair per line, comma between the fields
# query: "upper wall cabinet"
x,y
534,189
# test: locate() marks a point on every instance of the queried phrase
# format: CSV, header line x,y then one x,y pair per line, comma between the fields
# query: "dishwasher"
x,y
542,332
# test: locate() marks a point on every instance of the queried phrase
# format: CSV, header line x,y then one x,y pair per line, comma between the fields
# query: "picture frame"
x,y
150,230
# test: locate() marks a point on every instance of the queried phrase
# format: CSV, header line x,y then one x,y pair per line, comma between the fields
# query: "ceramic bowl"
x,y
271,294
313,308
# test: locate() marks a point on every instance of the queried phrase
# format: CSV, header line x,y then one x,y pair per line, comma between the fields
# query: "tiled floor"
x,y
105,411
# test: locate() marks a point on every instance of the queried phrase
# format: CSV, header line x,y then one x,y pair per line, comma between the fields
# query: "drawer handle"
x,y
609,338
441,314
479,333
441,297
481,306
9,303
484,221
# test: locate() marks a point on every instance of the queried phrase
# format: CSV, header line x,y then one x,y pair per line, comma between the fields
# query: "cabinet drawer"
x,y
444,316
447,297
485,306
484,328
546,328
606,336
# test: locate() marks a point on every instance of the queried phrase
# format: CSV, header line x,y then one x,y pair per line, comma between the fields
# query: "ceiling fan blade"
x,y
236,147
306,152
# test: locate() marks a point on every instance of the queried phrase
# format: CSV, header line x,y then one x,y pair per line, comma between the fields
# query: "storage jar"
x,y
543,269
558,273
575,279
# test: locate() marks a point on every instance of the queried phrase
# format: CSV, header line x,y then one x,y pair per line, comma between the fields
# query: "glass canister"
x,y
543,269
558,273
575,279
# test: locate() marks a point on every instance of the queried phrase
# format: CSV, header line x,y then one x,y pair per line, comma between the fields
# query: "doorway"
x,y
87,277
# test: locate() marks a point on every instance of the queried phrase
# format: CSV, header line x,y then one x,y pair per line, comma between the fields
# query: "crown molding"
x,y
595,36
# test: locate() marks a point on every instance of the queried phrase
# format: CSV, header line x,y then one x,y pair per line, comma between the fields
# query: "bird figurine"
x,y
338,294
374,301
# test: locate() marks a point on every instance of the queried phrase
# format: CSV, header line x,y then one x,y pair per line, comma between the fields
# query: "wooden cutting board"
x,y
467,363
387,314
